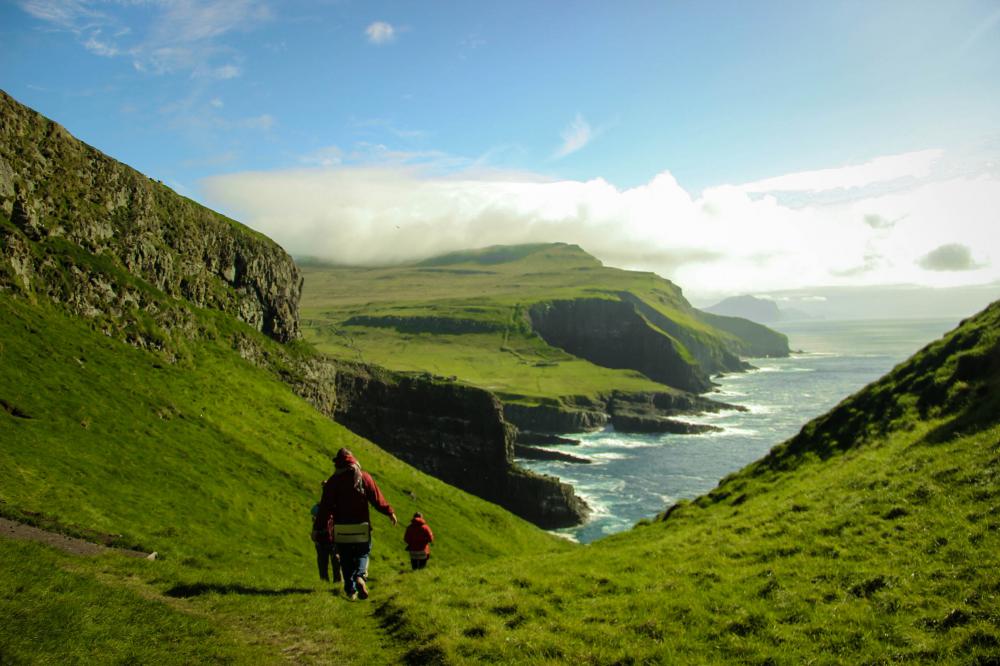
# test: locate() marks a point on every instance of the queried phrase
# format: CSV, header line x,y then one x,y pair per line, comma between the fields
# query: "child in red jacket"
x,y
418,540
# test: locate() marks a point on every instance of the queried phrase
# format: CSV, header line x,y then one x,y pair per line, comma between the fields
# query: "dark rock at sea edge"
x,y
544,439
535,453
634,423
554,419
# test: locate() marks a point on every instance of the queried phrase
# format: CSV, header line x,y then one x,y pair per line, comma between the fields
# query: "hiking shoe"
x,y
362,587
352,596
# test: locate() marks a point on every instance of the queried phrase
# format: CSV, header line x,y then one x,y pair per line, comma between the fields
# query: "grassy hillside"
x,y
873,543
208,461
465,314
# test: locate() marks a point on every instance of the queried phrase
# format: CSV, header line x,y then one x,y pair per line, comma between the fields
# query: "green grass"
x,y
212,463
464,315
886,548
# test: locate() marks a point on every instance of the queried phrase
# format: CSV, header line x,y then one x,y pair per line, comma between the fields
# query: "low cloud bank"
x,y
730,238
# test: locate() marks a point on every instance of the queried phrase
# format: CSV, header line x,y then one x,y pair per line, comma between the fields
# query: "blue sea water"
x,y
636,476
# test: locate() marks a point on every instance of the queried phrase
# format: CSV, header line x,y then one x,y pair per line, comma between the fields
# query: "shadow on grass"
x,y
198,589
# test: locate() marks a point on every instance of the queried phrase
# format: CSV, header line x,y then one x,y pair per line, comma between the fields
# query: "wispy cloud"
x,y
95,45
575,136
264,121
878,170
380,33
326,157
161,36
988,24
221,73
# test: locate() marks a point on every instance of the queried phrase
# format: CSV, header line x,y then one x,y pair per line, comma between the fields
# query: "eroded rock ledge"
x,y
627,412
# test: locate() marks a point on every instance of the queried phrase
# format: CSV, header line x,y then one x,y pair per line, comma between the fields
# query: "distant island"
x,y
760,310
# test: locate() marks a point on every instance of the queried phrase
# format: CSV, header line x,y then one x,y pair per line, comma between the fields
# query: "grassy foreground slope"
x,y
212,463
872,537
465,314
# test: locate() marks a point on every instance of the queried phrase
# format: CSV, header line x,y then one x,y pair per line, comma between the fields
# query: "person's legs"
x,y
414,564
349,563
322,555
335,561
360,572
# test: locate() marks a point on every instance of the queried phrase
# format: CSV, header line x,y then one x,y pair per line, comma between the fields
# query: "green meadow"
x,y
464,315
213,464
872,537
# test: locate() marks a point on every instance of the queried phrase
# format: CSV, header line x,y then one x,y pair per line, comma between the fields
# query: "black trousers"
x,y
326,556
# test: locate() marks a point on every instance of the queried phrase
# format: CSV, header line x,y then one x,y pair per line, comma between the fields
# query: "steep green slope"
x,y
539,324
209,461
874,536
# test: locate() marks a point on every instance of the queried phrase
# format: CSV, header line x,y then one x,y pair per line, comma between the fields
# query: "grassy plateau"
x,y
464,315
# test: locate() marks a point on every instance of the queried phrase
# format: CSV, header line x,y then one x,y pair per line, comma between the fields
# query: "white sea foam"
x,y
609,455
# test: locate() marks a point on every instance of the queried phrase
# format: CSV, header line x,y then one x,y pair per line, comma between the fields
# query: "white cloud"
x,y
380,33
216,102
575,136
725,239
879,170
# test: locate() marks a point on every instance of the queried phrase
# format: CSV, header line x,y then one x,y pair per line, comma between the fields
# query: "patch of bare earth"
x,y
13,530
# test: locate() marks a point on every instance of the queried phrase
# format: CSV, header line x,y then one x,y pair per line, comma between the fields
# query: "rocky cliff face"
x,y
64,198
453,432
613,334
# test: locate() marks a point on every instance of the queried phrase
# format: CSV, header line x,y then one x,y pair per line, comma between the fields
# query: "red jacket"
x,y
342,503
418,536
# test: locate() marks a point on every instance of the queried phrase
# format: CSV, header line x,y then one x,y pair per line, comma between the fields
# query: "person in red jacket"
x,y
346,497
418,540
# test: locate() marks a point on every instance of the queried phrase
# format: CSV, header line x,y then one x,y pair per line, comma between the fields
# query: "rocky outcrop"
x,y
453,432
640,423
611,333
535,453
627,412
543,439
69,204
554,417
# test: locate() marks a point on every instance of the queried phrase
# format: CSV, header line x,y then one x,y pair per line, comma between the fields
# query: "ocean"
x,y
637,476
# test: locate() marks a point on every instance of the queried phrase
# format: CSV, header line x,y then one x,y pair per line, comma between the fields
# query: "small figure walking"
x,y
326,553
418,540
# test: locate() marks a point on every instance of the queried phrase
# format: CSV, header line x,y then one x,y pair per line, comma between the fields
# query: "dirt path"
x,y
14,530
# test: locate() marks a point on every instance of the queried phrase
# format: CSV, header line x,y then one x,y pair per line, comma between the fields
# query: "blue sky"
x,y
519,121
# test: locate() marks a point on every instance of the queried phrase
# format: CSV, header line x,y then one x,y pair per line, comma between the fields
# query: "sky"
x,y
732,147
